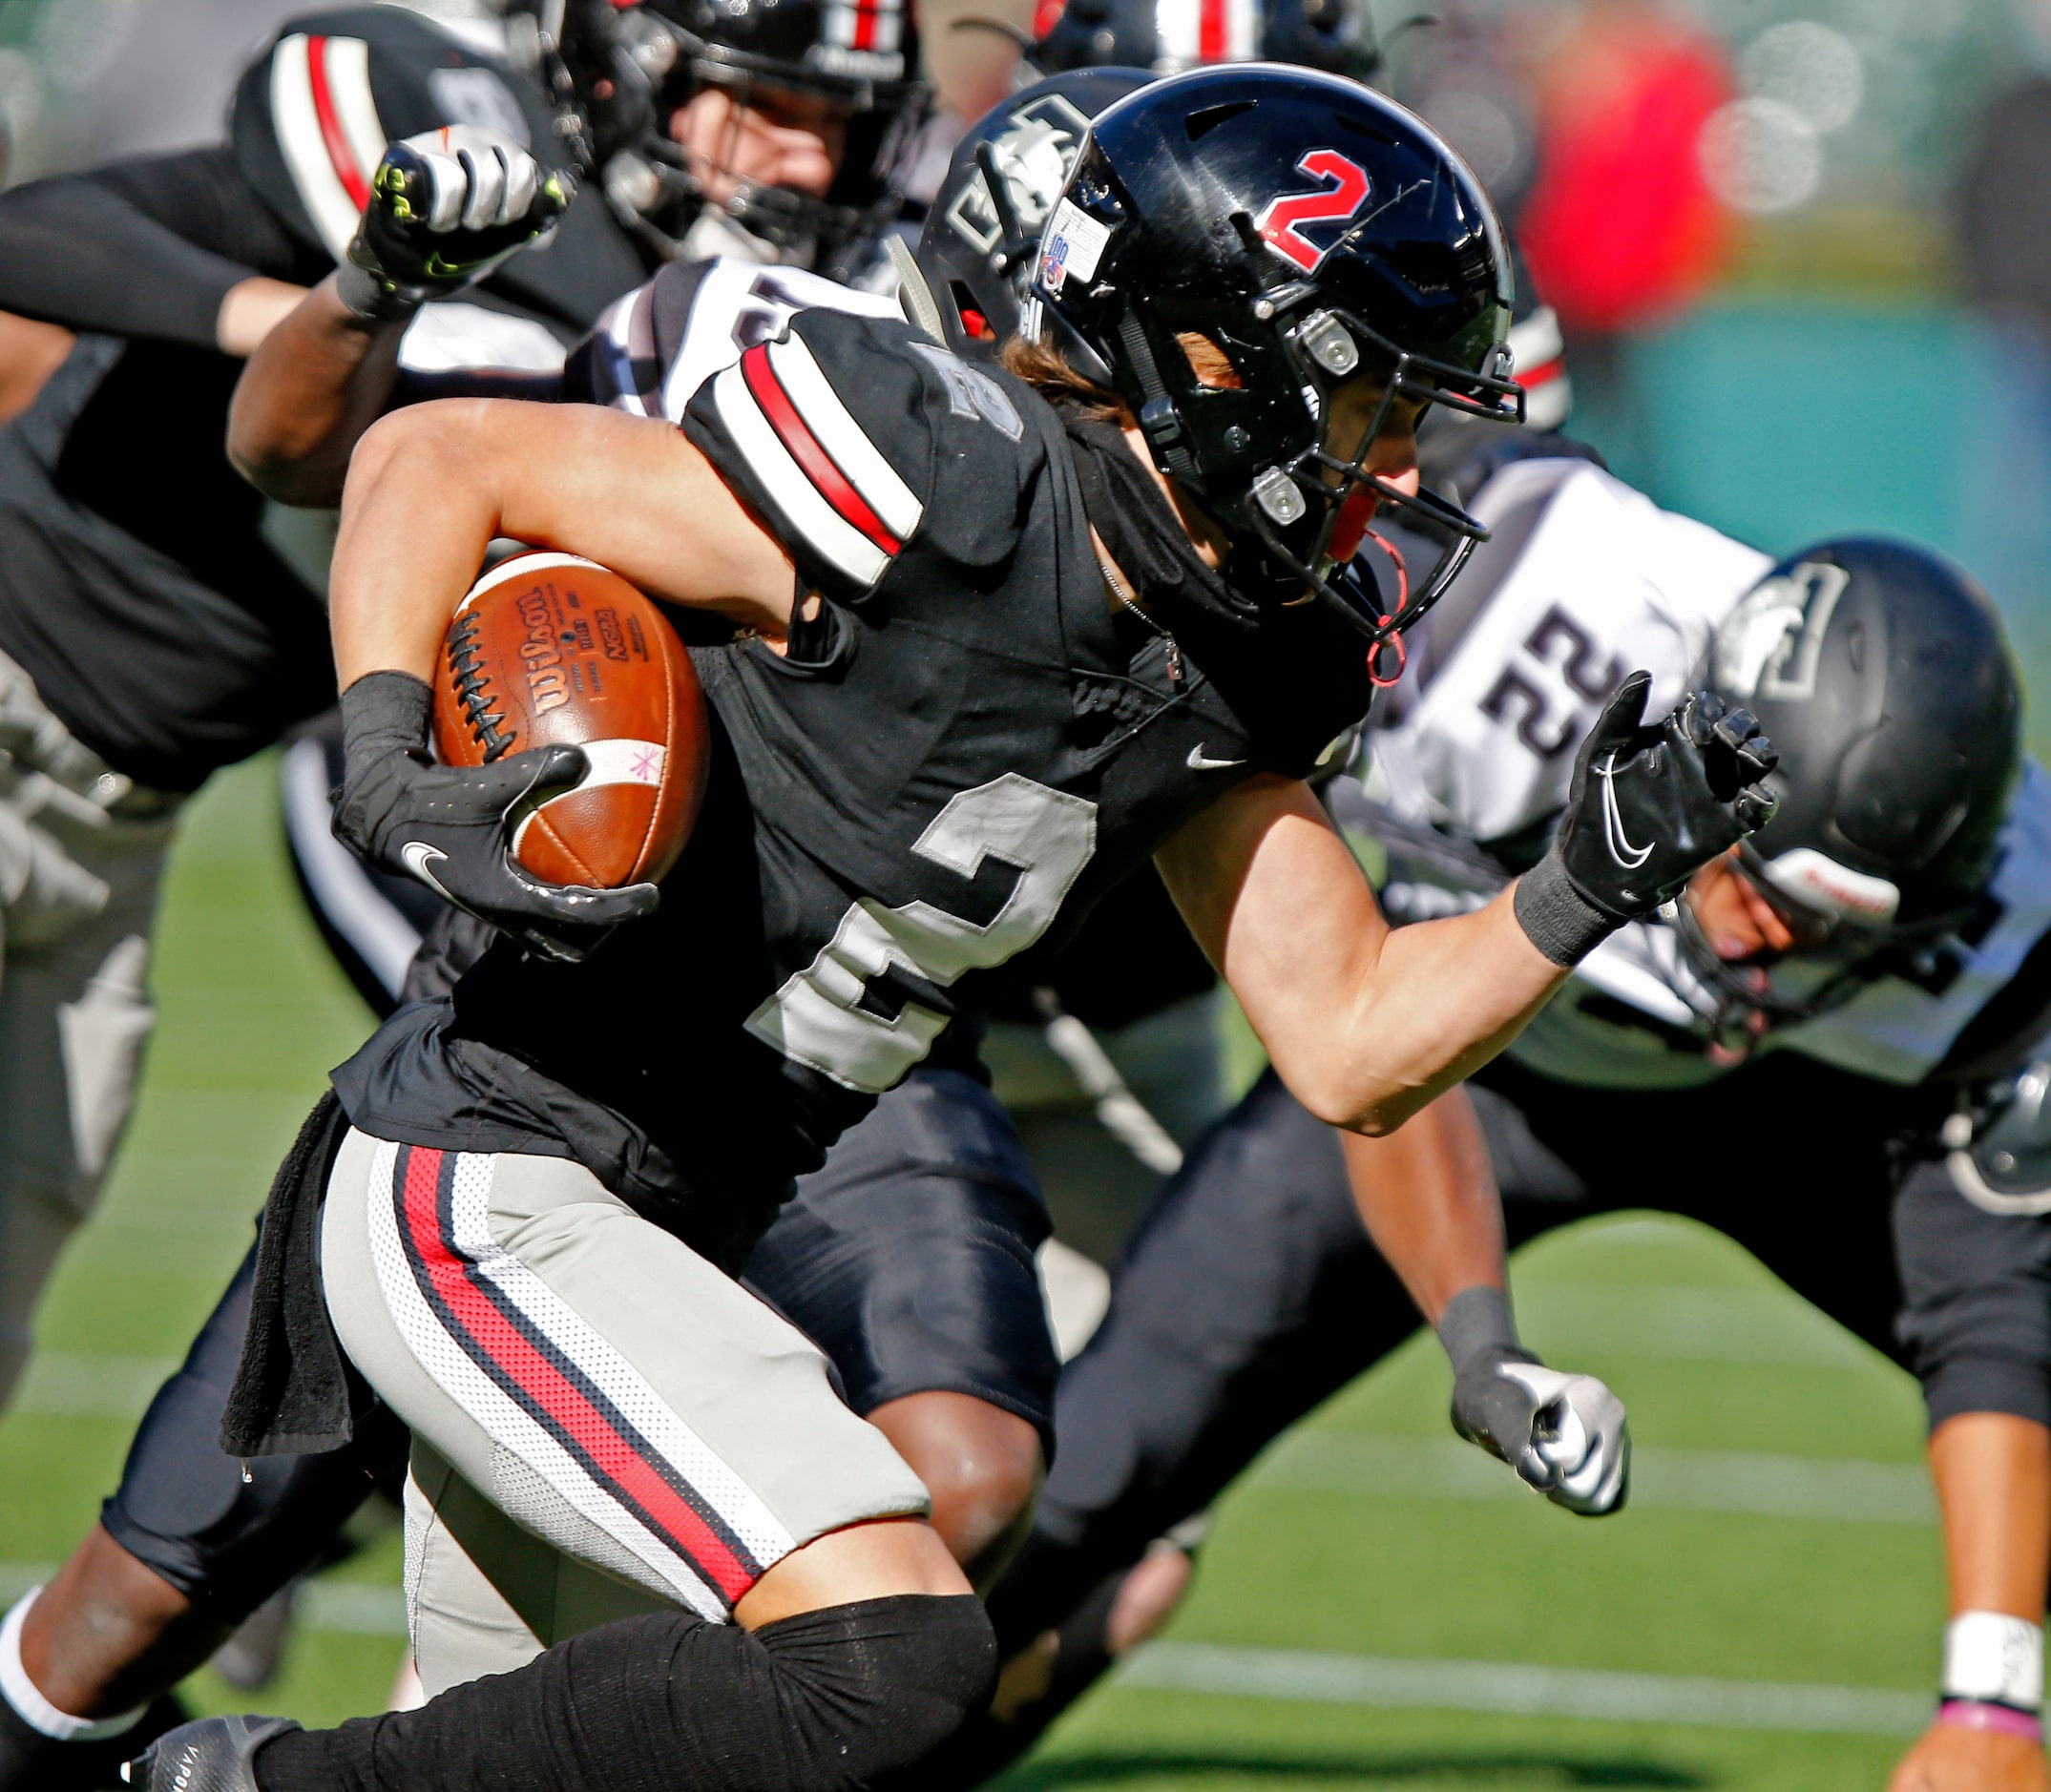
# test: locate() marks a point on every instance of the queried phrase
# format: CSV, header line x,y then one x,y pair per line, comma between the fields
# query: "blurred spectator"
x,y
1619,225
2004,205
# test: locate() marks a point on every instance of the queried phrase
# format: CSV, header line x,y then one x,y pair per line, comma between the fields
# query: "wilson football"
x,y
549,647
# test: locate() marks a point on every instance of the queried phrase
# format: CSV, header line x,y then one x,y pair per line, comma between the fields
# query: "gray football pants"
x,y
79,890
604,1421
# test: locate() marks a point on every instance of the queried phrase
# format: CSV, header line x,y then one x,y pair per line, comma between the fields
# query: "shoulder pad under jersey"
x,y
654,348
857,437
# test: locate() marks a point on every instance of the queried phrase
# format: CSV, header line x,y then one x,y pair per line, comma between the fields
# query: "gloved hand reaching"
x,y
1565,1435
1649,808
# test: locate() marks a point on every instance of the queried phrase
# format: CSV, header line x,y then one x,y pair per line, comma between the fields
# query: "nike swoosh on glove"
x,y
1565,1435
445,208
451,827
1650,805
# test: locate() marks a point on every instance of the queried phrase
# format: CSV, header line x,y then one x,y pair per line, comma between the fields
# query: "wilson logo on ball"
x,y
550,649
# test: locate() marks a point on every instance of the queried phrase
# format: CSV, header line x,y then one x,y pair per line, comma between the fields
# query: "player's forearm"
x,y
1427,1196
1363,1025
317,380
1992,1473
1440,1000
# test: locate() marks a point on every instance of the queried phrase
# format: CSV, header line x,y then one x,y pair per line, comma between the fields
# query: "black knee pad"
x,y
833,1700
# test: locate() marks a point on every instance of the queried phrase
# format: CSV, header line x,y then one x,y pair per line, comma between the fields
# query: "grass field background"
x,y
1369,1534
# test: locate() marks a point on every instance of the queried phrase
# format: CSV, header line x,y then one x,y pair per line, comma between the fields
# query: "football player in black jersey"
x,y
169,265
1012,644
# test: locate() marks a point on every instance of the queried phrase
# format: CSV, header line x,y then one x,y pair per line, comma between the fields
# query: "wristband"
x,y
363,295
384,712
1991,1658
1476,1320
1971,1714
1558,919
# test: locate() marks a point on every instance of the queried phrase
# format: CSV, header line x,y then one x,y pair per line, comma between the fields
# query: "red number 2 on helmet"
x,y
1280,219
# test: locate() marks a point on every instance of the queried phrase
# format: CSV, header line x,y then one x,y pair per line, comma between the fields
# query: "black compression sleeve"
x,y
827,1701
147,247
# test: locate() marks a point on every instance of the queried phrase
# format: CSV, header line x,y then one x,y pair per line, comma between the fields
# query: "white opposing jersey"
x,y
1584,581
654,348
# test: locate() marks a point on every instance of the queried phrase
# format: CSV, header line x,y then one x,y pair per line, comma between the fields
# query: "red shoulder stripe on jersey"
x,y
352,178
543,1379
817,464
1212,44
1542,374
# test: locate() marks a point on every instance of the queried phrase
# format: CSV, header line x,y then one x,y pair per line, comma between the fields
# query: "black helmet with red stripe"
x,y
1168,36
1274,267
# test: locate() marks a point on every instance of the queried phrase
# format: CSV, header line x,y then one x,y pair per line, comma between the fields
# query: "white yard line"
x,y
1511,1688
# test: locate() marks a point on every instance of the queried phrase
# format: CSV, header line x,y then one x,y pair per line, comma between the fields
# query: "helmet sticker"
x,y
1812,878
1075,244
1282,219
1769,645
1034,153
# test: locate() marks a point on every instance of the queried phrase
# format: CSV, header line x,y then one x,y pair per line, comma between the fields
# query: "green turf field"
x,y
1765,1616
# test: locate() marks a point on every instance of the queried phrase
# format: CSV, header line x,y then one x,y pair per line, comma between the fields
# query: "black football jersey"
x,y
964,753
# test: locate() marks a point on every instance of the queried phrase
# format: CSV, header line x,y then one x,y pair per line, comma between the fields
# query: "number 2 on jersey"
x,y
817,1017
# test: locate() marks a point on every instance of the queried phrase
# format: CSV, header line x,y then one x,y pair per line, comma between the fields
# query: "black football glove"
x,y
1650,806
451,826
1565,1435
445,208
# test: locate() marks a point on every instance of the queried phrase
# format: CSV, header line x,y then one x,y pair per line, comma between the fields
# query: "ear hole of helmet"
x,y
1209,362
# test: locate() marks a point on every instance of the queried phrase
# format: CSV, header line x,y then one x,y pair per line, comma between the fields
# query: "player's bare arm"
x,y
432,486
1363,1023
1427,1196
1992,1471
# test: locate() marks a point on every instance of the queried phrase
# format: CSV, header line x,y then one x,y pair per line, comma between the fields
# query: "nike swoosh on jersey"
x,y
1621,850
418,856
1199,762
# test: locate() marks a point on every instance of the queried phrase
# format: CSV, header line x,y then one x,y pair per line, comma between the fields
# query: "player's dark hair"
x,y
1047,371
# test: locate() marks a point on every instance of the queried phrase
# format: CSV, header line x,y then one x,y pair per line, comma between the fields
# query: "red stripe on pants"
x,y
518,1361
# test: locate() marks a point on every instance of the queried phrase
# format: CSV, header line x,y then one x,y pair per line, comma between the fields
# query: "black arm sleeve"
x,y
146,247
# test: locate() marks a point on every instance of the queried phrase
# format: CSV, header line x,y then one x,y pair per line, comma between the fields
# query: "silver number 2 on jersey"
x,y
817,1017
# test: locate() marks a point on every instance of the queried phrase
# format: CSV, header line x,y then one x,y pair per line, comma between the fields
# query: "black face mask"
x,y
1142,532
